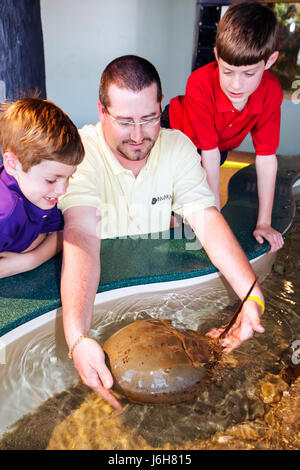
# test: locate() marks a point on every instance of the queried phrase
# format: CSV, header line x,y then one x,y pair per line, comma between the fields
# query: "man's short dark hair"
x,y
130,72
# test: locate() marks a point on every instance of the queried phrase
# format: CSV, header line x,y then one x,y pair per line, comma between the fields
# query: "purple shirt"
x,y
21,221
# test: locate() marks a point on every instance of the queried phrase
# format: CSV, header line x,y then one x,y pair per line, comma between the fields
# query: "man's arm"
x,y
79,283
266,170
227,255
211,163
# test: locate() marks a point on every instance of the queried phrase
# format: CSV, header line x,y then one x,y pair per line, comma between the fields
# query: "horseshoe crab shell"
x,y
153,362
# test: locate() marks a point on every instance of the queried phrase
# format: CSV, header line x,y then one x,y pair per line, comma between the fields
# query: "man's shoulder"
x,y
89,130
175,144
173,137
94,144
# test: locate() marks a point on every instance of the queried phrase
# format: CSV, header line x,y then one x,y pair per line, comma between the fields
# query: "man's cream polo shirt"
x,y
172,180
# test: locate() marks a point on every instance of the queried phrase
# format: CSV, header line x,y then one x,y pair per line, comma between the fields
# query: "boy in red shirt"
x,y
227,99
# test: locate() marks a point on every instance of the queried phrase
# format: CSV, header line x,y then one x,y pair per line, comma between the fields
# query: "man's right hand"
x,y
79,283
89,360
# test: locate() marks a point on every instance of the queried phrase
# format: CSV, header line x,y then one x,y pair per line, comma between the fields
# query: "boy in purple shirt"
x,y
41,149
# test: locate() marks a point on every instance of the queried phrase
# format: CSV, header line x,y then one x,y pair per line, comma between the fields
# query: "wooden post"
x,y
22,66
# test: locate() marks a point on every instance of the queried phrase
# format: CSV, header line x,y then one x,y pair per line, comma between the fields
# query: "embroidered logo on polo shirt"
x,y
161,198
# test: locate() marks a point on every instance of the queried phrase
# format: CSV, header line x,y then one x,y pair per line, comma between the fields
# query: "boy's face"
x,y
43,183
239,82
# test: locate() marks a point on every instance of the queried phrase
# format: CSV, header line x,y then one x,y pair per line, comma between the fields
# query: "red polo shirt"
x,y
209,119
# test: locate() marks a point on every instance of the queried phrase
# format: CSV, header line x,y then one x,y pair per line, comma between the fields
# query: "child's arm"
x,y
14,263
211,163
266,170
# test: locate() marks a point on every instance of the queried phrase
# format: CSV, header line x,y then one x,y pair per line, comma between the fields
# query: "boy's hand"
x,y
89,360
14,263
247,322
275,239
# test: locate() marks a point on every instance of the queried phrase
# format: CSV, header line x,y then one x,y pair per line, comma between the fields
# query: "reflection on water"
x,y
253,403
33,360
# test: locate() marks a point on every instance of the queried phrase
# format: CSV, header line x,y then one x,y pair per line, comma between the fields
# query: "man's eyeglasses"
x,y
123,123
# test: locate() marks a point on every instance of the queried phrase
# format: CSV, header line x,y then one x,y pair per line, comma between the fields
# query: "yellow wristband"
x,y
259,301
70,353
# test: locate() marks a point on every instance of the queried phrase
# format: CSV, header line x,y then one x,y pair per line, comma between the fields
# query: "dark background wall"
x,y
22,66
208,14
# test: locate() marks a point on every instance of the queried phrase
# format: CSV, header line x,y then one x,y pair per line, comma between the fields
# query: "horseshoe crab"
x,y
153,362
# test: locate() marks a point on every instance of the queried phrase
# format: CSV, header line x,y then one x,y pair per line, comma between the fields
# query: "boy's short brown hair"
x,y
246,34
35,130
131,72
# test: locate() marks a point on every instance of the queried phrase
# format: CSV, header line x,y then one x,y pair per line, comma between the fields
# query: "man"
x,y
129,161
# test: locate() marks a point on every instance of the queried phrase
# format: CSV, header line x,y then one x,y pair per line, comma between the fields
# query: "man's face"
x,y
132,141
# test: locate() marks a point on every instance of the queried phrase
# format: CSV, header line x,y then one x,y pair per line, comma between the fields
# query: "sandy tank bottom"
x,y
253,403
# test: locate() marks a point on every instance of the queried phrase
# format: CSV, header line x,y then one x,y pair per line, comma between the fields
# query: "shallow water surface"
x,y
255,386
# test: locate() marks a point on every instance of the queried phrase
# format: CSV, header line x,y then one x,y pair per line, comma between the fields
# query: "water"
x,y
253,404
